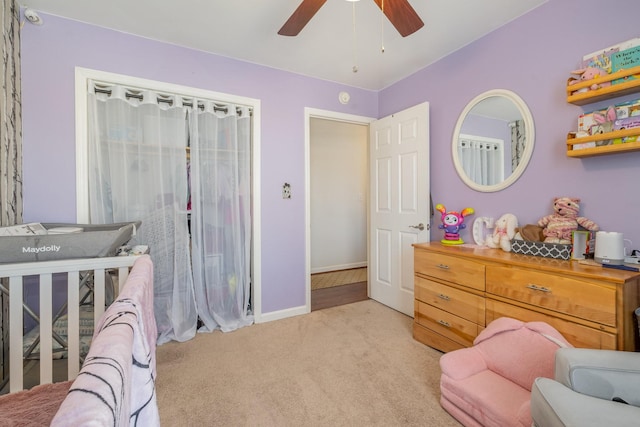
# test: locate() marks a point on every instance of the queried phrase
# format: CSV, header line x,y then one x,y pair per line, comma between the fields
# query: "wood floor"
x,y
338,295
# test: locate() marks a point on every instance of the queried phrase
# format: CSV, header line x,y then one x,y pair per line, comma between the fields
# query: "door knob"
x,y
419,226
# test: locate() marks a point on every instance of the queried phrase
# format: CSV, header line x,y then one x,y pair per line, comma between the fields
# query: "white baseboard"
x,y
283,314
338,267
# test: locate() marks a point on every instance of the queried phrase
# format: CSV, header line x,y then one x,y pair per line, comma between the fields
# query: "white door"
x,y
399,203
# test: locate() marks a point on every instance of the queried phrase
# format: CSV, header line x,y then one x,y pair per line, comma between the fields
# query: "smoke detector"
x,y
32,16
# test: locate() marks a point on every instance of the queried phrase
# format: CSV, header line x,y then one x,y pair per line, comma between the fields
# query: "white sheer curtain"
x,y
140,171
137,162
221,214
481,160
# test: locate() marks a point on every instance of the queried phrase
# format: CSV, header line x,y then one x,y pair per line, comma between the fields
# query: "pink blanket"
x,y
116,385
32,408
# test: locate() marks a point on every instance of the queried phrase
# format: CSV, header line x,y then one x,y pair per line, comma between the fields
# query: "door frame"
x,y
310,113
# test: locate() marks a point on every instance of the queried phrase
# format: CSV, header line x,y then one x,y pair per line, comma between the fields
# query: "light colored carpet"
x,y
338,278
351,365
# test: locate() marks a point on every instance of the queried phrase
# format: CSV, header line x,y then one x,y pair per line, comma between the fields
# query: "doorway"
x,y
398,194
337,185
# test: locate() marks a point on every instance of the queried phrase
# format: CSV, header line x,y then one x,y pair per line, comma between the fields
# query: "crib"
x,y
76,271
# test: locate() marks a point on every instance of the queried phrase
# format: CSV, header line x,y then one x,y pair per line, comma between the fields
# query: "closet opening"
x,y
184,162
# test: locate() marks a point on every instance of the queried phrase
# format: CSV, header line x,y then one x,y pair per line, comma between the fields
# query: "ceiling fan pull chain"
x,y
355,55
382,27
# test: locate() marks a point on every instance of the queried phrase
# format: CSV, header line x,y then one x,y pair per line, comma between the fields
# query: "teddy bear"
x,y
503,232
558,226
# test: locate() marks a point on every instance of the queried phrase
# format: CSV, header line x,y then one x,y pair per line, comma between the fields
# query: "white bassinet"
x,y
74,338
84,263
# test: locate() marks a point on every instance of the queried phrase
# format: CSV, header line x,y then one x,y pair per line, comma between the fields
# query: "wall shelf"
x,y
604,149
591,96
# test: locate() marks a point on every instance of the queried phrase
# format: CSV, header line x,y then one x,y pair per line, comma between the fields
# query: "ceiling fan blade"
x,y
300,17
401,15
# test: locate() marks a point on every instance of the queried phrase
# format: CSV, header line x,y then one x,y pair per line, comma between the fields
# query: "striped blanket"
x,y
116,385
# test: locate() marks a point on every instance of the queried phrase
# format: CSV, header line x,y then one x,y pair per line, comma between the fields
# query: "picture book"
x,y
603,58
625,59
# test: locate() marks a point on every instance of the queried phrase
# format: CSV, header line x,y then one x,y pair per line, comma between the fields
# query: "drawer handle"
x,y
444,297
445,324
443,266
538,288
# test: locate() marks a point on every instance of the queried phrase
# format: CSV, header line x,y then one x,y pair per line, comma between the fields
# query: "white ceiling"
x,y
325,48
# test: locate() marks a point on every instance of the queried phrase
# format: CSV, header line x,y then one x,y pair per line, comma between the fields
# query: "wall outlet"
x,y
286,191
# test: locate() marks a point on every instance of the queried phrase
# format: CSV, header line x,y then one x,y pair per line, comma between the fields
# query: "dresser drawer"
x,y
461,271
455,328
434,340
585,300
462,304
577,335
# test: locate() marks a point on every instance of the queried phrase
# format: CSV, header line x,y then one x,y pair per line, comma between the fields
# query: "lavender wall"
x,y
51,52
532,56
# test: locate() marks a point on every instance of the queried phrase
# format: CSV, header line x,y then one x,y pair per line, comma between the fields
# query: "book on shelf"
x,y
603,58
623,60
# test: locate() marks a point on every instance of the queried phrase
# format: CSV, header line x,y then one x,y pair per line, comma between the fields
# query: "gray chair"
x,y
589,390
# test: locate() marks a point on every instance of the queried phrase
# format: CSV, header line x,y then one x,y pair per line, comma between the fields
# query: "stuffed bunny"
x,y
605,125
590,73
503,232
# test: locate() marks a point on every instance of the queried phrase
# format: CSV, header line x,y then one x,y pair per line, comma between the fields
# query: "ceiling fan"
x,y
399,12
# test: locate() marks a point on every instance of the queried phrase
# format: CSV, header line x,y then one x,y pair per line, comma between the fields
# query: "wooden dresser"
x,y
459,290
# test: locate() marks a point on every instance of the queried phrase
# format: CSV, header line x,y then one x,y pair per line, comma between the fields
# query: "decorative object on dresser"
x,y
610,248
459,290
564,220
503,232
452,223
541,249
552,236
530,233
489,384
481,229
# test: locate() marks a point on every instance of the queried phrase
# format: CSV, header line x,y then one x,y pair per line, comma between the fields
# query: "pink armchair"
x,y
490,383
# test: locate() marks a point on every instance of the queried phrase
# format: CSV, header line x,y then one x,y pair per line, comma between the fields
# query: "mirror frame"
x,y
528,149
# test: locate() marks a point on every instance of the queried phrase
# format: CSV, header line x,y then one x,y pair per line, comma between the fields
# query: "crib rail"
x,y
14,275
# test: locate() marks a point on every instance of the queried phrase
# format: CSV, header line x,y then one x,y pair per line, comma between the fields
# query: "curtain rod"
x,y
169,101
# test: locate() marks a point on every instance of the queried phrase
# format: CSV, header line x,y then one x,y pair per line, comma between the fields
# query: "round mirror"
x,y
493,140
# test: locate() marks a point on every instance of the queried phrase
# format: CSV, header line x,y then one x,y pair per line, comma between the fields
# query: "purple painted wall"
x,y
532,56
51,52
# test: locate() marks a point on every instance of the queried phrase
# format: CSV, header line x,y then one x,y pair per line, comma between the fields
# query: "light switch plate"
x,y
286,191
